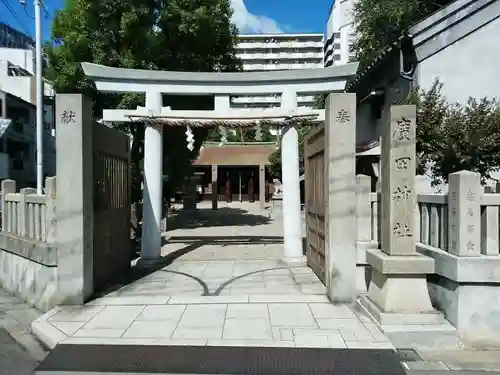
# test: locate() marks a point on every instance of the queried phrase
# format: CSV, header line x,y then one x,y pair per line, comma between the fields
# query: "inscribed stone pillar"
x,y
153,185
262,186
340,213
74,214
398,268
398,182
464,214
215,187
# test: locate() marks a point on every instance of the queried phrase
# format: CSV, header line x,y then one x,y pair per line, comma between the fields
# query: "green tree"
x,y
453,137
381,22
189,35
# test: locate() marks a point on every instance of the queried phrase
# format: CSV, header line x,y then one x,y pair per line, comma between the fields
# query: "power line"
x,y
44,8
16,16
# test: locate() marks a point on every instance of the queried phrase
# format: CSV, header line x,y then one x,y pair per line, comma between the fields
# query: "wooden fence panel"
x,y
112,202
315,199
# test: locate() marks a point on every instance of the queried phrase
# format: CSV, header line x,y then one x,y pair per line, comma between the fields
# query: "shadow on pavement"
x,y
223,217
193,243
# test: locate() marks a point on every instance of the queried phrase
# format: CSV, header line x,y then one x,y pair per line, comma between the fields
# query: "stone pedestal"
x,y
398,291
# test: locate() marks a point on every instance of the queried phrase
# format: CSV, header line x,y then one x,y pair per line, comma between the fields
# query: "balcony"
x,y
281,55
282,66
287,44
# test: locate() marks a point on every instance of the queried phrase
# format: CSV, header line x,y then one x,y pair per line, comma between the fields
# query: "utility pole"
x,y
39,97
39,93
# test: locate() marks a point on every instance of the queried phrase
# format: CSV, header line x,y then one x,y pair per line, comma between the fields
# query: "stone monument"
x,y
398,291
190,191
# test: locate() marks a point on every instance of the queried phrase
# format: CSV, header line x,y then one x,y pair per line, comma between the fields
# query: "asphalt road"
x,y
14,360
453,372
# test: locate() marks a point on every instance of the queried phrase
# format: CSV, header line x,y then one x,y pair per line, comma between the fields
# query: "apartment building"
x,y
260,52
340,33
18,114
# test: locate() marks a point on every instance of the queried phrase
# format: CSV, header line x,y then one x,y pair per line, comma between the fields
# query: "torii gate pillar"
x,y
292,223
153,185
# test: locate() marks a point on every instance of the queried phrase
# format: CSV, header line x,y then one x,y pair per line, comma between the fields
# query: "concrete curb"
x,y
45,332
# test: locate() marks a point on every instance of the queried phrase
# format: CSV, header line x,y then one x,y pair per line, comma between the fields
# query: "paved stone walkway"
x,y
19,351
224,285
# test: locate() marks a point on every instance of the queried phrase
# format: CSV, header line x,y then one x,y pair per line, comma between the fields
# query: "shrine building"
x,y
235,171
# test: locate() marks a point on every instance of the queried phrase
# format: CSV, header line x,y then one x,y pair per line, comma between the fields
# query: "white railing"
x,y
432,220
27,214
470,228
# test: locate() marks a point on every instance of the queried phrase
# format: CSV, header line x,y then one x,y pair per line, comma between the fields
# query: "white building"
x,y
260,52
17,118
340,32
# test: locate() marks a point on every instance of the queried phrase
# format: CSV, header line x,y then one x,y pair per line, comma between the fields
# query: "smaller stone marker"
x,y
464,214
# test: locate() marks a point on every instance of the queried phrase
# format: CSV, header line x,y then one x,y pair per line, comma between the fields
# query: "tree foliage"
x,y
189,35
454,137
378,23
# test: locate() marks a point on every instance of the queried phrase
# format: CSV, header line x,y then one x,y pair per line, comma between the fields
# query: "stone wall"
x,y
29,270
460,232
28,257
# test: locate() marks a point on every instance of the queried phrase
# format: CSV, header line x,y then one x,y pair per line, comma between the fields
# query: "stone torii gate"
x,y
287,83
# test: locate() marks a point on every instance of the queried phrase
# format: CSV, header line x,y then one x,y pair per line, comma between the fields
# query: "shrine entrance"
x,y
339,233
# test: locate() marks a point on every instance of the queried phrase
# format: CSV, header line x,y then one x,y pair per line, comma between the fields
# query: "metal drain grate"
x,y
221,360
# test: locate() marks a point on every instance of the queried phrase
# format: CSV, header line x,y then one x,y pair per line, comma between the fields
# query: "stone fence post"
x,y
50,194
8,187
363,229
464,214
23,210
363,208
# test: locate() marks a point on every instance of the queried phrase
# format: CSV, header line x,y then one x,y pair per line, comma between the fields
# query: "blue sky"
x,y
251,16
